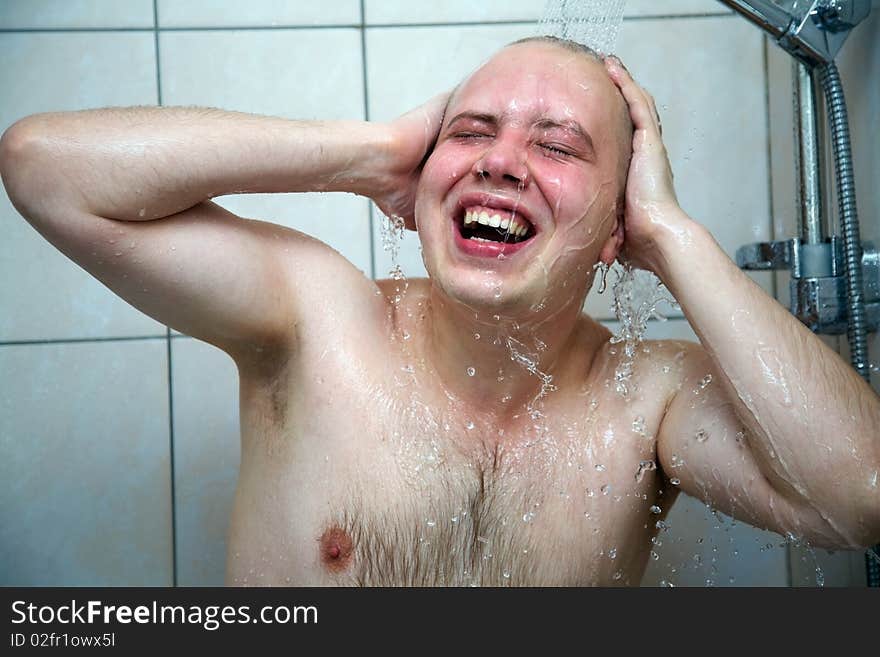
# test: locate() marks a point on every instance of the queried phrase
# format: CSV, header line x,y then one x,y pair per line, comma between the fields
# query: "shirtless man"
x,y
467,428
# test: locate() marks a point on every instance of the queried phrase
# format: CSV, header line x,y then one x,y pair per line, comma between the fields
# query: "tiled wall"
x,y
118,438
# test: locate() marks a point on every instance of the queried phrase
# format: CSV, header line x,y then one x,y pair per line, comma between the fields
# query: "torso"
x,y
357,469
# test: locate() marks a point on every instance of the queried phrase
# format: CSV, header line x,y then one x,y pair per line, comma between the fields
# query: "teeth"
x,y
511,225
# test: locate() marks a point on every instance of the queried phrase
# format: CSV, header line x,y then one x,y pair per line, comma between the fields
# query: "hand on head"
x,y
412,137
650,201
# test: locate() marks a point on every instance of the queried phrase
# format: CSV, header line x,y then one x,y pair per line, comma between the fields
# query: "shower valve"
x,y
818,283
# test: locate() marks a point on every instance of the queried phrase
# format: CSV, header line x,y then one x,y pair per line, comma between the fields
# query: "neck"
x,y
501,363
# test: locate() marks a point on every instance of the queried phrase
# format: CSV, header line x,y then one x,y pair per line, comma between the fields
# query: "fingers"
x,y
642,107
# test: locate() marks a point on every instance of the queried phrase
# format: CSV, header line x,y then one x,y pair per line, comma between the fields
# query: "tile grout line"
x,y
370,213
361,25
774,284
167,343
121,338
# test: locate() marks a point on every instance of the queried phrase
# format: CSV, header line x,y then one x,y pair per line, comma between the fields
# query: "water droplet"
x,y
675,481
476,336
469,425
471,371
506,574
612,553
600,467
654,555
606,489
617,574
639,425
527,517
430,523
702,435
656,510
706,380
645,466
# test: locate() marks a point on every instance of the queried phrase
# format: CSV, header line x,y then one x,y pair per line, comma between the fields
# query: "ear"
x,y
612,246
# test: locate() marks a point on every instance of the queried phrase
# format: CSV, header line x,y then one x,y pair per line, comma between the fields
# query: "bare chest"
x,y
366,480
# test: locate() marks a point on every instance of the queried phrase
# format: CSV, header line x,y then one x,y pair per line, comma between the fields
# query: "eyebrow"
x,y
569,126
474,116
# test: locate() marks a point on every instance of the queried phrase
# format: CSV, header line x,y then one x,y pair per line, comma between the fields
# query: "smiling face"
x,y
521,194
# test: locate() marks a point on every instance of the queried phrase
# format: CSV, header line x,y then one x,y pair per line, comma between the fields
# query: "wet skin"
x,y
467,428
403,422
360,435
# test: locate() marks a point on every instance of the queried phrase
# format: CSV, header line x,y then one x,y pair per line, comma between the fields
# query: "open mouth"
x,y
483,224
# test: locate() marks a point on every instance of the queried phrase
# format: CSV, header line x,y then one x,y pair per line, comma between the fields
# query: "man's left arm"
x,y
782,433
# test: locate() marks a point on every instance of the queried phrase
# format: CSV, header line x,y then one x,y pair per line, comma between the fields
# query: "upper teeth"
x,y
510,224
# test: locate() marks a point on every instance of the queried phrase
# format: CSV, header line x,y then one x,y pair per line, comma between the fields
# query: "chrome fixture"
x,y
811,30
818,283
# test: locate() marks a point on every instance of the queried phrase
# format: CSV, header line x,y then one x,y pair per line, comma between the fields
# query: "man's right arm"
x,y
125,194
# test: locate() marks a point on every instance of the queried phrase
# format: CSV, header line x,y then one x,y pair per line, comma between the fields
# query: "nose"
x,y
504,161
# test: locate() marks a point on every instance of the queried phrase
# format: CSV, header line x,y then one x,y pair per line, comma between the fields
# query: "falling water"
x,y
593,23
637,294
392,230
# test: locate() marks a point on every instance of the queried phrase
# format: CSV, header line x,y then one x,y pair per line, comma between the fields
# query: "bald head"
x,y
623,126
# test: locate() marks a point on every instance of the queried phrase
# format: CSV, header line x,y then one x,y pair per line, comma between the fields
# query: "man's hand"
x,y
413,136
651,205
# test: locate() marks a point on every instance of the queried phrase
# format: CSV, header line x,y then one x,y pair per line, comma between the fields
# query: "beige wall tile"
x,y
256,13
31,14
452,11
283,73
287,74
45,295
206,457
85,490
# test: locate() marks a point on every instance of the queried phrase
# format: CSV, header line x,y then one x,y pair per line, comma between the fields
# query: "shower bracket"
x,y
818,283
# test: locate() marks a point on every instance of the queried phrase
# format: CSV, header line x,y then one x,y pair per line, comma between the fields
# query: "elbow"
x,y
13,147
20,165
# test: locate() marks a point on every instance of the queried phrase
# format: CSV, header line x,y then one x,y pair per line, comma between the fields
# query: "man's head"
x,y
538,138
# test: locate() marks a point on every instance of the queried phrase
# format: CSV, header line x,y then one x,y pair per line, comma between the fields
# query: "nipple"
x,y
336,549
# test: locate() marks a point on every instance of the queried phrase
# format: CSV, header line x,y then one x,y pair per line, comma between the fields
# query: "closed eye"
x,y
556,150
469,135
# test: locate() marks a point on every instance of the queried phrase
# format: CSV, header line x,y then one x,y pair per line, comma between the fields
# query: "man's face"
x,y
533,140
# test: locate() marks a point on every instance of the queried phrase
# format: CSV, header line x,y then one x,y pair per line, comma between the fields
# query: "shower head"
x,y
811,30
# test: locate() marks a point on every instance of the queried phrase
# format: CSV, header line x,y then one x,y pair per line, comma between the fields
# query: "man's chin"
x,y
489,298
